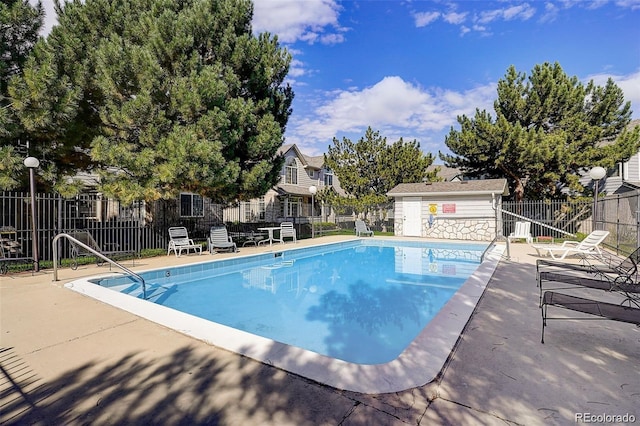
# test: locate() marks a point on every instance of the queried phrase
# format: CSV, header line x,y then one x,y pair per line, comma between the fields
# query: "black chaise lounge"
x,y
620,277
627,266
628,286
601,310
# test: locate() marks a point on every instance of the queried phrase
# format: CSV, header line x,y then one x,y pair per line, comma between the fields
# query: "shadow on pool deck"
x,y
68,359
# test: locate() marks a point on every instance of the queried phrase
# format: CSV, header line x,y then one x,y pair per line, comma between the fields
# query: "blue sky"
x,y
408,68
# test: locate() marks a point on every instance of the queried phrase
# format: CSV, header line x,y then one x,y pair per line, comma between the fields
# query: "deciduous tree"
x,y
547,130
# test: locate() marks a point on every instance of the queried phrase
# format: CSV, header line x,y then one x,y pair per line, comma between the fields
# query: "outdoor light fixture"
x,y
32,163
312,189
596,174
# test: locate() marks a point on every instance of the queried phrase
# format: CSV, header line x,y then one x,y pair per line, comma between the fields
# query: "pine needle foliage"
x,y
159,97
546,131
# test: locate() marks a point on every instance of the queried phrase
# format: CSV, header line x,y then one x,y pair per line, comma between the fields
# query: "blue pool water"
x,y
361,301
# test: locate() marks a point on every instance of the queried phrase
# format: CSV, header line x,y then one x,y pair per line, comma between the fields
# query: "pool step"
x,y
155,292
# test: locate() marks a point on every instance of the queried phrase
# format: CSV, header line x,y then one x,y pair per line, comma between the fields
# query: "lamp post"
x,y
596,174
32,163
312,189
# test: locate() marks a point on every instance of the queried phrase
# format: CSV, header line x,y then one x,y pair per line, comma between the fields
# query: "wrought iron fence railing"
x,y
143,226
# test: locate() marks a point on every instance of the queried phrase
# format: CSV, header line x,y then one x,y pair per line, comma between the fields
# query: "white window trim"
x,y
193,211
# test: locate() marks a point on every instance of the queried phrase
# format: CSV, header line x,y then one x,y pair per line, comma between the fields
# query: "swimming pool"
x,y
349,314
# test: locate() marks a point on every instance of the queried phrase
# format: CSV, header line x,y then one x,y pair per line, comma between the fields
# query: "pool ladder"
x,y
493,243
98,254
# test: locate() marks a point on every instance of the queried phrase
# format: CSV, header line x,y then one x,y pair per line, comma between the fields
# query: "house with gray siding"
x,y
623,177
291,198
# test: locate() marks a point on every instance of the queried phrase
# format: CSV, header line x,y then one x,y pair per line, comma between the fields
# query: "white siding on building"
x,y
467,206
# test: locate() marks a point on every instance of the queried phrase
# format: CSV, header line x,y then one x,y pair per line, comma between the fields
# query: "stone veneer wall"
x,y
472,229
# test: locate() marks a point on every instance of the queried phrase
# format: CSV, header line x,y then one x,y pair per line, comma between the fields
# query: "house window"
x,y
191,205
293,207
261,208
328,178
291,172
614,171
254,210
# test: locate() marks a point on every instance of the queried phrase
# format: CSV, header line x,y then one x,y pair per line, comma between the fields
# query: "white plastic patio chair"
x,y
362,229
287,231
179,240
220,240
522,231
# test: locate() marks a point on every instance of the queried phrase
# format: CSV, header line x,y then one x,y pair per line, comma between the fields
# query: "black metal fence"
x,y
619,214
145,225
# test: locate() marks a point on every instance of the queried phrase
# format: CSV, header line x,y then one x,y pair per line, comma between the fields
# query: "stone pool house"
x,y
460,210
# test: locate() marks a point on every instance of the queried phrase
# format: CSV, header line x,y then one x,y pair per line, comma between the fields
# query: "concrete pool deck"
x,y
69,359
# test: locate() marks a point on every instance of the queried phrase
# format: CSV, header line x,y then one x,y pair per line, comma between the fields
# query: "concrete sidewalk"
x,y
68,359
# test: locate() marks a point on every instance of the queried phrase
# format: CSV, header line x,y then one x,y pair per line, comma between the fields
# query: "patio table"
x,y
270,230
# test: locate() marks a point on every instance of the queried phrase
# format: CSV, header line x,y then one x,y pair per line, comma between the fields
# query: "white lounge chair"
x,y
589,246
220,240
179,240
287,231
362,229
522,231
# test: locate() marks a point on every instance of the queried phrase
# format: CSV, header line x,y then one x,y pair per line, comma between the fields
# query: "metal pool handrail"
x,y
493,243
98,254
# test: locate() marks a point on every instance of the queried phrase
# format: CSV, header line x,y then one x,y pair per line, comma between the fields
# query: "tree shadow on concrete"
x,y
194,385
500,368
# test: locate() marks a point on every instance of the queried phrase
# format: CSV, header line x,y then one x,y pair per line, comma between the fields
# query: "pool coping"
x,y
419,364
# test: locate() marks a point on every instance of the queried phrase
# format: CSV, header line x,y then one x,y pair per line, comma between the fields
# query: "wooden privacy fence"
x,y
620,215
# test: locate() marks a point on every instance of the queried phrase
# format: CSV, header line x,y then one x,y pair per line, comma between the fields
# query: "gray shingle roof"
x,y
485,186
315,162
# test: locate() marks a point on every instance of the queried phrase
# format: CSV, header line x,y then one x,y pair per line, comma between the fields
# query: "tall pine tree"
x,y
369,168
20,23
160,97
546,131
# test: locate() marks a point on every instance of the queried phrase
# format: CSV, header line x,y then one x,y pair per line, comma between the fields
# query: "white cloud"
x,y
479,19
630,85
422,19
294,20
50,18
629,4
455,18
550,12
393,106
296,69
522,12
398,108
